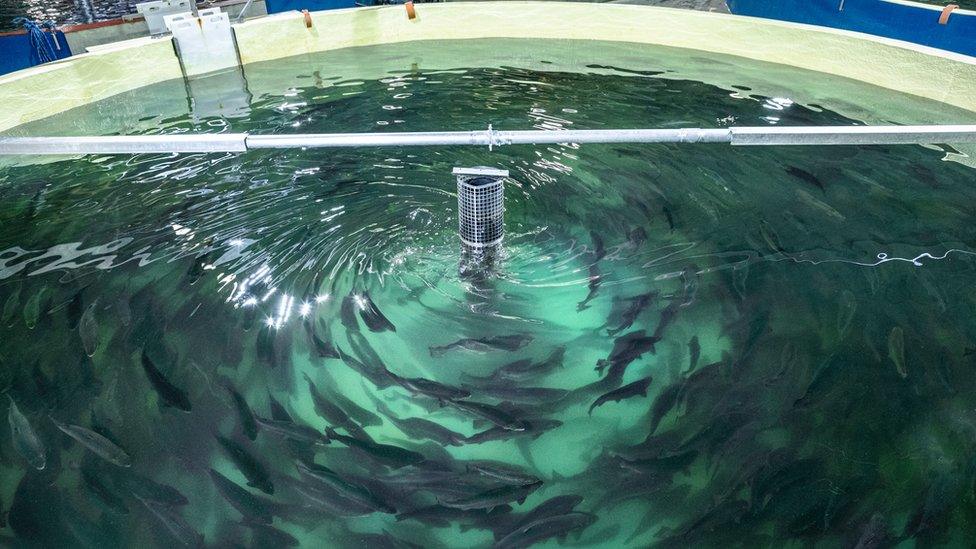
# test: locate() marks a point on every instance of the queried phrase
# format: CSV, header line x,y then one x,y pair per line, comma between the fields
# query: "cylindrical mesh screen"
x,y
481,205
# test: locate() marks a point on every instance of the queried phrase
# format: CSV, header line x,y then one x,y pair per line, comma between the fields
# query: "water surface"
x,y
800,318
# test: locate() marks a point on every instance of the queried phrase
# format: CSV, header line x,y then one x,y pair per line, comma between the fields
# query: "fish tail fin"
x,y
524,447
646,384
436,351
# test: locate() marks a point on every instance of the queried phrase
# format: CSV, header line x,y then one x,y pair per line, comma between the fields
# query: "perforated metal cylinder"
x,y
481,205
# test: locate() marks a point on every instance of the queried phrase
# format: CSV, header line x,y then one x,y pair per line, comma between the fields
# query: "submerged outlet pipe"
x,y
241,142
481,205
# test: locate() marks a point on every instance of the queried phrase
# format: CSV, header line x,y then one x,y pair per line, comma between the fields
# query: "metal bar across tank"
x,y
241,142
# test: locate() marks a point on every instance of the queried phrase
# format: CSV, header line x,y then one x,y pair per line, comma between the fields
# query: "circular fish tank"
x,y
673,345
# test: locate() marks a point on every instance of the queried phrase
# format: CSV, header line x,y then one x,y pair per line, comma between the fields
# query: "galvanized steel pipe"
x,y
241,142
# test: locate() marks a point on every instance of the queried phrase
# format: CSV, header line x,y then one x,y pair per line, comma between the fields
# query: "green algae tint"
x,y
285,351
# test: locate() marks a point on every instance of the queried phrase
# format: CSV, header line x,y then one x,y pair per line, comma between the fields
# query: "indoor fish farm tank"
x,y
675,345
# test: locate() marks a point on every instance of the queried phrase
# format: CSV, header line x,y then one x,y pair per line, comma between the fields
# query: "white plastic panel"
x,y
205,43
154,13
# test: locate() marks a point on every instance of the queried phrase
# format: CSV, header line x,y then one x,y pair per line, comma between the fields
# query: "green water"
x,y
827,294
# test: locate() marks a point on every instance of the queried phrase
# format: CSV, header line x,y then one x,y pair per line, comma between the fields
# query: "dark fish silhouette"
x,y
353,492
521,370
148,489
32,309
266,346
264,535
552,507
441,517
394,456
875,534
595,279
637,237
322,498
250,506
331,412
356,413
494,497
492,414
690,281
418,427
244,413
299,439
771,238
174,524
667,317
484,344
252,469
278,412
637,388
669,217
292,431
522,395
169,394
545,528
626,349
532,429
502,472
370,368
98,444
636,307
694,353
74,310
88,330
347,313
372,317
599,250
105,495
323,347
12,304
664,403
896,350
123,312
25,439
806,177
426,387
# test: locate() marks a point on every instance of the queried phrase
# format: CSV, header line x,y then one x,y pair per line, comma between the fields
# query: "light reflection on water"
x,y
62,12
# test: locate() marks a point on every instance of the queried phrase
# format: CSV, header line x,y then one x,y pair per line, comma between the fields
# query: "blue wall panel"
x,y
902,22
15,52
278,6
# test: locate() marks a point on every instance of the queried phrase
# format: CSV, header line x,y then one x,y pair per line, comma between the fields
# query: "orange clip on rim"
x,y
411,12
946,12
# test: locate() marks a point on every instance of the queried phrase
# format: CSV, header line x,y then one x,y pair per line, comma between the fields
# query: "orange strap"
x,y
411,12
308,19
946,12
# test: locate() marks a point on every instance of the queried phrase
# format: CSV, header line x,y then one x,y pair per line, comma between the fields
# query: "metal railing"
x,y
242,142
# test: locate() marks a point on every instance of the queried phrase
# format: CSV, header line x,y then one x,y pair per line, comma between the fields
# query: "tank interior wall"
x,y
111,69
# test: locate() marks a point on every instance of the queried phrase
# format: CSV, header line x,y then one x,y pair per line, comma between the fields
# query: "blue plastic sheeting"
x,y
912,23
278,6
15,52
